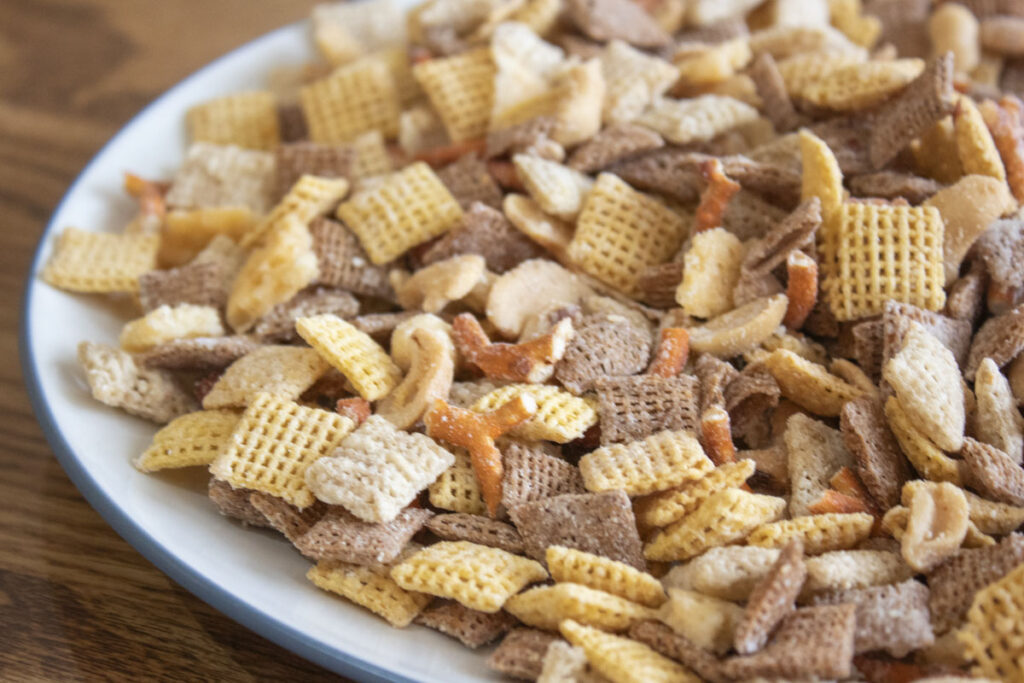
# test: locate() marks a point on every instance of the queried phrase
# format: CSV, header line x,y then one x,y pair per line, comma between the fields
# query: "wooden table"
x,y
76,601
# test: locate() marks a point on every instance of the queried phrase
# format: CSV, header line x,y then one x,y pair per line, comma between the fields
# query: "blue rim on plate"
x,y
245,613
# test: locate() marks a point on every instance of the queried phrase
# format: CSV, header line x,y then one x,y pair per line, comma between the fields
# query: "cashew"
x,y
429,378
435,286
403,348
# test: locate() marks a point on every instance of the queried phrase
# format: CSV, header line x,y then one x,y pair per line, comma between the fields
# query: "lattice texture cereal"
x,y
100,262
273,445
697,119
560,417
406,209
994,635
189,440
246,119
622,659
635,407
461,88
659,462
568,565
664,508
282,371
354,99
457,489
820,533
546,607
476,576
533,474
353,353
367,588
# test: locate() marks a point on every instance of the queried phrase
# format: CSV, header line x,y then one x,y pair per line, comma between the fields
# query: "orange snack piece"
x,y
150,194
505,174
444,155
530,361
671,354
1004,121
476,433
357,409
715,196
801,288
716,435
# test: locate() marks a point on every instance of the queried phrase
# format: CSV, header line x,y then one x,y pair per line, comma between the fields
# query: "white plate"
x,y
252,576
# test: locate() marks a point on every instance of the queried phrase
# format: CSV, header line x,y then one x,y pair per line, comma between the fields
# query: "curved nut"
x,y
513,298
429,378
435,286
402,346
936,525
740,329
526,215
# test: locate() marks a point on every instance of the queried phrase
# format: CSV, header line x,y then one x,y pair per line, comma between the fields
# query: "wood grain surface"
x,y
76,601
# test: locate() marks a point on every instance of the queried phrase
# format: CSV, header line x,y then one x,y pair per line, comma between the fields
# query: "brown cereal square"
x,y
292,161
605,20
202,284
484,231
868,346
658,284
992,472
669,171
460,526
285,517
197,353
894,185
339,536
603,346
891,618
615,143
715,376
896,319
664,640
750,399
521,137
521,653
469,626
234,503
632,408
880,463
278,325
531,474
597,523
343,262
469,181
292,122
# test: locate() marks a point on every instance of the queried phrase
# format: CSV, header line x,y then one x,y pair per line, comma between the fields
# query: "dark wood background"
x,y
76,601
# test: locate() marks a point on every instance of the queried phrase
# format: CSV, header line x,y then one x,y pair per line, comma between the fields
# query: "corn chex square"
x,y
659,462
476,576
819,533
568,565
664,508
886,253
354,99
620,232
370,589
457,489
378,470
545,607
309,197
353,353
724,517
190,440
214,176
994,635
406,209
284,371
461,88
274,443
560,417
624,659
247,119
100,262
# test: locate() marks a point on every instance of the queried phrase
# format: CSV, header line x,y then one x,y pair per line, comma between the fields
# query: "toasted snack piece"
x,y
665,508
531,473
710,272
992,637
967,208
560,417
476,529
880,462
724,517
851,569
657,463
927,458
697,119
351,352
811,642
100,262
528,361
936,525
771,600
377,470
954,584
620,232
598,523
457,489
469,181
354,99
603,346
613,144
546,607
223,176
992,472
565,662
808,384
633,80
600,573
889,618
559,190
635,407
235,503
406,209
274,444
521,653
279,324
282,371
861,86
977,150
487,232
622,659
343,262
247,119
926,379
189,440
338,536
673,645
708,622
116,380
815,452
820,533
509,306
476,576
896,321
741,329
168,323
1001,338
470,627
368,588
997,421
294,160
276,270
461,88
605,20
725,572
198,284
310,197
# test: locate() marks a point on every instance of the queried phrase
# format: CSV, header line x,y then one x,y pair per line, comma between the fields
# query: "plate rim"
x,y
244,613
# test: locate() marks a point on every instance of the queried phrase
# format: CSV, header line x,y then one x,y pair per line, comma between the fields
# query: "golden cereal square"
x,y
659,462
664,508
819,533
406,209
100,262
476,576
353,353
190,440
545,607
620,232
284,371
560,417
569,565
274,443
886,253
167,323
622,659
354,99
309,197
247,119
461,88
457,489
994,635
370,589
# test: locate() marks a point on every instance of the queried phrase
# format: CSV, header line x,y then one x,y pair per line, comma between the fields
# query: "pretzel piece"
x,y
716,435
671,353
529,361
715,197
